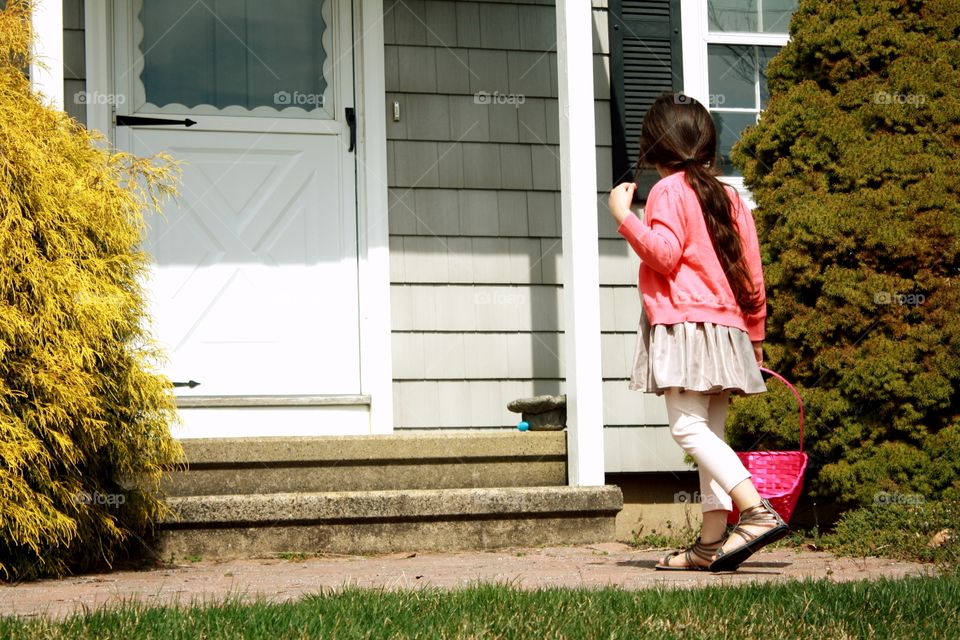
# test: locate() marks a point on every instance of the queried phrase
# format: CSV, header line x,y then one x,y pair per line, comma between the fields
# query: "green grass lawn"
x,y
909,608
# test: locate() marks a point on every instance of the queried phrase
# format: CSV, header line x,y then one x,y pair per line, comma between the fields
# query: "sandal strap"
x,y
743,533
704,550
762,513
759,514
700,549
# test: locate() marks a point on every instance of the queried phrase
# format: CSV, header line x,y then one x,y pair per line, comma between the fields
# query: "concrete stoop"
x,y
386,521
464,459
371,494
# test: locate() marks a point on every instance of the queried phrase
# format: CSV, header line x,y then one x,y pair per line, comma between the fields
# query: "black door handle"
x,y
351,115
140,121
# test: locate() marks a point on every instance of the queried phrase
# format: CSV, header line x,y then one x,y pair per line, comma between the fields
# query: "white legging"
x,y
696,424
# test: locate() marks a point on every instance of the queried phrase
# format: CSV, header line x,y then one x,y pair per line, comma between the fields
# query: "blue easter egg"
x,y
523,426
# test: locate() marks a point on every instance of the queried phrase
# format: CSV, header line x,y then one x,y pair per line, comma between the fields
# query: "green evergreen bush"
x,y
84,422
855,167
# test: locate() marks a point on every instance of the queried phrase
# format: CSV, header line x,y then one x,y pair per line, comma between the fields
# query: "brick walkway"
x,y
281,580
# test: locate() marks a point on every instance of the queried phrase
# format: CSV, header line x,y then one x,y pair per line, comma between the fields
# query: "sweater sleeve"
x,y
659,238
756,322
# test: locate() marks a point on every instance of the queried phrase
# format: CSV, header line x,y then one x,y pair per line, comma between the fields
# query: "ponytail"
x,y
724,235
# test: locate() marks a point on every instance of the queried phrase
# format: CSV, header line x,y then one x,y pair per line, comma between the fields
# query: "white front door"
x,y
253,289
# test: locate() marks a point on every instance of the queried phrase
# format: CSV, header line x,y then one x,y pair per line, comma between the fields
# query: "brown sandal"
x,y
762,513
702,550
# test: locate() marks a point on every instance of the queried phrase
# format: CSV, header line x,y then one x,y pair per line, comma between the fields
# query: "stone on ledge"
x,y
542,413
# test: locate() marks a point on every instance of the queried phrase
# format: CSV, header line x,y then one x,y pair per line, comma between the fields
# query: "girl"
x,y
702,323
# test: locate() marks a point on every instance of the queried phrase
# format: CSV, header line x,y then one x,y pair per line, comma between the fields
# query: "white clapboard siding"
x,y
499,356
495,260
483,404
641,449
423,404
504,308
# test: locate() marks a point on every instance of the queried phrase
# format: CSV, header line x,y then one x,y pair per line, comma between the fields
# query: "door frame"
x,y
373,257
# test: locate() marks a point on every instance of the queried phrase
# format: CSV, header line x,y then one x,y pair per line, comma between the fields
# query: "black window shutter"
x,y
645,62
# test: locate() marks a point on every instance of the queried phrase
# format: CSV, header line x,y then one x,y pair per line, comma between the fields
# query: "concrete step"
x,y
356,522
452,459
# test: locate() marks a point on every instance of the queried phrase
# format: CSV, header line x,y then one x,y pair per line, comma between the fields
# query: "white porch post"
x,y
46,72
581,278
374,234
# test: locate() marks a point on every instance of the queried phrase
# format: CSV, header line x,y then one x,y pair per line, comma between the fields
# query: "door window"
x,y
236,56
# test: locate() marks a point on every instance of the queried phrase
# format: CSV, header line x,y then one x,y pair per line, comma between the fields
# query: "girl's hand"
x,y
621,197
758,352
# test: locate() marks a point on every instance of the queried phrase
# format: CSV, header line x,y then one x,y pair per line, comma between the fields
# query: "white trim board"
x,y
373,232
46,70
581,281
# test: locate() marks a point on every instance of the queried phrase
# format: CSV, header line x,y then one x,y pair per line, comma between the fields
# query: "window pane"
x,y
765,55
776,15
233,52
733,15
732,73
729,126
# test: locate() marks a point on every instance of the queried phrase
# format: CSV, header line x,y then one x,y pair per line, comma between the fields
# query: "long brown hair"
x,y
678,133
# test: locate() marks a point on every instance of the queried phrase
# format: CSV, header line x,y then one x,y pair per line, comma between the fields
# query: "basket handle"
x,y
795,393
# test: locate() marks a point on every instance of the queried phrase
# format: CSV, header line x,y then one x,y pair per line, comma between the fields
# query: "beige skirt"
x,y
695,356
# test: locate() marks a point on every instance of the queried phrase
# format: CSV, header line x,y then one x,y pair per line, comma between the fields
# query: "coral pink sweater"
x,y
681,279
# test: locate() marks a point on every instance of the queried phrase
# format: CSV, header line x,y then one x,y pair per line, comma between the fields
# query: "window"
x,y
738,91
750,16
714,50
727,45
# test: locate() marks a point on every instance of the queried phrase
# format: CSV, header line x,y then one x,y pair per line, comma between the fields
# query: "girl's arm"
x,y
756,322
621,196
658,240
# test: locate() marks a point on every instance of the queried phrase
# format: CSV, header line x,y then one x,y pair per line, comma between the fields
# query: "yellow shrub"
x,y
84,419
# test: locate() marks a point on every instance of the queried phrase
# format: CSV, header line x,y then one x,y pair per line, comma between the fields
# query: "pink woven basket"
x,y
778,475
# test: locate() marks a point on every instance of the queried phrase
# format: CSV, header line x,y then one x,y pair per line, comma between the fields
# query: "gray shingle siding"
x,y
475,215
